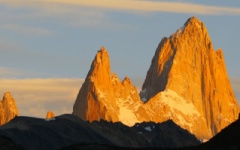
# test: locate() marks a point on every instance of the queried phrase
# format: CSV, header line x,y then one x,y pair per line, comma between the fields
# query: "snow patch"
x,y
144,91
142,94
171,98
144,99
182,121
148,128
126,115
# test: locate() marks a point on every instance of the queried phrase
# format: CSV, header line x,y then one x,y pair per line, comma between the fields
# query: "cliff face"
x,y
187,64
8,109
104,96
187,82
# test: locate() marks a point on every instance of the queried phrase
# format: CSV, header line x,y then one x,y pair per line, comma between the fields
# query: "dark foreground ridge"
x,y
66,130
8,144
227,139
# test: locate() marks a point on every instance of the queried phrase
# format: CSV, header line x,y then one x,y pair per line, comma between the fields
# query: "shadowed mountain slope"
x,y
66,130
227,139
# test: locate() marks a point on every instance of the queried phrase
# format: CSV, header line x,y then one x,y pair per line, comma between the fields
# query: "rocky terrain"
x,y
187,82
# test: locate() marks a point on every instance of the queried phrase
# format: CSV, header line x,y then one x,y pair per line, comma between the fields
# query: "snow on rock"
x,y
172,99
126,115
169,105
144,99
148,128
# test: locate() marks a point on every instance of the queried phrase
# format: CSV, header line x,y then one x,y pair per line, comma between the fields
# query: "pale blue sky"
x,y
59,38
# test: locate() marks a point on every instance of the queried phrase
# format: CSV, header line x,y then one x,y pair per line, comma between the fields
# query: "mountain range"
x,y
68,132
185,100
187,82
65,130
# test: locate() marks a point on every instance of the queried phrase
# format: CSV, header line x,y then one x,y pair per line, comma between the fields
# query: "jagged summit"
x,y
188,43
188,65
8,108
187,82
194,21
100,67
101,94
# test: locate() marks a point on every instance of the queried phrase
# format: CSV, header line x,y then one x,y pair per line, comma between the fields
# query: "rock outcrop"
x,y
50,115
8,108
187,82
104,96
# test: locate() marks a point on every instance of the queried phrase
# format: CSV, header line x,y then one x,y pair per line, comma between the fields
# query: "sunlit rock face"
x,y
8,108
187,82
104,96
187,64
50,115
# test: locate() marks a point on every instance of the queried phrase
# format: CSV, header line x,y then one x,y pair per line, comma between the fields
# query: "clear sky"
x,y
47,46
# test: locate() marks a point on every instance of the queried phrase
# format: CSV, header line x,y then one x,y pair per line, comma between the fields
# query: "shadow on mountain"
x,y
8,144
67,130
227,139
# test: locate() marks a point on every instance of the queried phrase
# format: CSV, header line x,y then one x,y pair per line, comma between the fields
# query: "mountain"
x,y
8,108
66,130
187,82
227,139
50,115
187,64
104,96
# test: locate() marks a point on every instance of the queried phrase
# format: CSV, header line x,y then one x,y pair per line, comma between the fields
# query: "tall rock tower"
x,y
8,108
102,95
187,64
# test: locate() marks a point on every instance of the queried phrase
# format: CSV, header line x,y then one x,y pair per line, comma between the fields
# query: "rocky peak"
x,y
96,90
126,80
115,79
186,82
194,22
187,64
8,108
100,69
219,53
7,95
50,115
